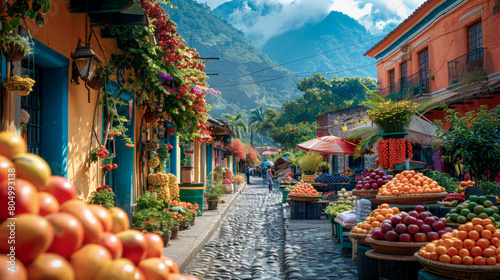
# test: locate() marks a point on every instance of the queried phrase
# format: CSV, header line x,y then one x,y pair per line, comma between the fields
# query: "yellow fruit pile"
x,y
412,183
474,243
173,186
165,185
308,178
384,212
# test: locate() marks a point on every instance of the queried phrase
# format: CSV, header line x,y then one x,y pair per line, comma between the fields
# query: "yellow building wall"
x,y
197,162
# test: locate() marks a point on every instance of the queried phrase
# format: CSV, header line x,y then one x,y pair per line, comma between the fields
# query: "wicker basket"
x,y
390,247
413,199
460,271
304,198
371,193
453,225
359,237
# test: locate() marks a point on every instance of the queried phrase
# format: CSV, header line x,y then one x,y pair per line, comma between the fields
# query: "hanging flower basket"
x,y
189,151
14,52
171,130
96,82
149,116
18,85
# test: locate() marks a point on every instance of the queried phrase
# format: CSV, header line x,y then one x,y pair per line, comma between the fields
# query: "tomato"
x,y
120,269
155,245
134,245
48,204
103,215
25,199
113,244
154,269
61,188
12,269
11,144
5,166
50,266
68,234
120,220
92,227
33,169
33,236
89,260
170,263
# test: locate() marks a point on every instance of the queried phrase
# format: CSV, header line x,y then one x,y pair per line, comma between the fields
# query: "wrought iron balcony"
x,y
407,87
468,68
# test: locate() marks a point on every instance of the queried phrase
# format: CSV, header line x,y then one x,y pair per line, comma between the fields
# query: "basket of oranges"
x,y
471,252
360,231
410,187
304,192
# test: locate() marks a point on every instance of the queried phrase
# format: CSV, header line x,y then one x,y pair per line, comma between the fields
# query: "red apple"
x,y
385,227
380,182
414,214
405,237
410,221
400,228
374,186
396,220
391,236
420,237
61,188
429,221
68,234
112,243
403,215
373,174
377,234
420,223
359,187
449,229
390,177
413,229
441,232
155,245
367,186
437,226
419,208
135,246
377,177
423,215
443,220
431,236
154,268
425,228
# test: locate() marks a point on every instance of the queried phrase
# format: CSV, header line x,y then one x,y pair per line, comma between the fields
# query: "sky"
x,y
377,16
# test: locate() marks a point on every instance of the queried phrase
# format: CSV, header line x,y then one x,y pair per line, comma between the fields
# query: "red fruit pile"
x,y
415,226
374,180
460,197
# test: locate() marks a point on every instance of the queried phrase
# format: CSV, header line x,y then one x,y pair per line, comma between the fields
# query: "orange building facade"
x,y
448,50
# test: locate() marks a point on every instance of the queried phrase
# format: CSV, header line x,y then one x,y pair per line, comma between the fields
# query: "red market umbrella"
x,y
328,145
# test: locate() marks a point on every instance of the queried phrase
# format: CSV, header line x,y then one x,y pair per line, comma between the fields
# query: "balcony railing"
x,y
407,87
468,68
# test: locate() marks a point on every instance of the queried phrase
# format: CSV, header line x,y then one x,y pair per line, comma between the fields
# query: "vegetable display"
x,y
474,207
393,151
337,208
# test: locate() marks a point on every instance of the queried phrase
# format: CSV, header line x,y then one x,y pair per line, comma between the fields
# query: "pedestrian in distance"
x,y
259,171
270,178
247,172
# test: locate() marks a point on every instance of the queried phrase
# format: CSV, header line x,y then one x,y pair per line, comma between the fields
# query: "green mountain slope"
x,y
213,37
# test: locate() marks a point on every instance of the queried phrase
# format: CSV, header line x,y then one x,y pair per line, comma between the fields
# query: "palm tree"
x,y
237,123
256,117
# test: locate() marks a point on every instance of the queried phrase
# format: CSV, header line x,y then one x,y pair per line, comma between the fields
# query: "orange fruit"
x,y
380,218
445,258
433,256
383,211
375,224
469,244
441,250
461,228
404,173
456,260
395,210
477,221
463,253
388,216
495,242
430,248
488,252
486,234
491,261
476,251
487,222
478,228
473,235
479,261
483,243
426,255
446,236
412,172
467,260
447,242
457,243
395,192
404,181
384,206
491,228
420,191
469,226
452,251
498,258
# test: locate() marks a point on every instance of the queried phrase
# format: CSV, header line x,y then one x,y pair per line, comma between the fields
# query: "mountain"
x,y
331,39
238,59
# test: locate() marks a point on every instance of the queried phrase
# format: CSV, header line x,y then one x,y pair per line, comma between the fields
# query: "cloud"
x,y
261,20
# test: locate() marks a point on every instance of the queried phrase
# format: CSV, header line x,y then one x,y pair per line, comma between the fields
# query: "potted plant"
x,y
104,196
310,163
159,227
15,47
98,79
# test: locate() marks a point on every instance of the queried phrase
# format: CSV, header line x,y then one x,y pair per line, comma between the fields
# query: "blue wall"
x,y
172,139
210,156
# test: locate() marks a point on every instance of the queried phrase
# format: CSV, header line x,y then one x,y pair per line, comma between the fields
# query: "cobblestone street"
x,y
255,242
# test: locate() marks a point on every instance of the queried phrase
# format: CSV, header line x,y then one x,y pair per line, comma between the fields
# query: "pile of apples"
x,y
475,243
374,180
415,226
47,233
384,212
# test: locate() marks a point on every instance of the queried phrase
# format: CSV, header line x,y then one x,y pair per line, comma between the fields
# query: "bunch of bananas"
x,y
159,183
153,162
173,186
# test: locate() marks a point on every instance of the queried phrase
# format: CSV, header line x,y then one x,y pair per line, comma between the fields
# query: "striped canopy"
x,y
328,145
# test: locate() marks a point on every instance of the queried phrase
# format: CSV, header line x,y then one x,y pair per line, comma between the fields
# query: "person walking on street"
x,y
247,172
270,178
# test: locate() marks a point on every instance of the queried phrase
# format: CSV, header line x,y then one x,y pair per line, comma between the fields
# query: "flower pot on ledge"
x,y
212,204
175,232
166,239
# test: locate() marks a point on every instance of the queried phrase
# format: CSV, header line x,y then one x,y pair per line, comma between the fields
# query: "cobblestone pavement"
x,y
253,244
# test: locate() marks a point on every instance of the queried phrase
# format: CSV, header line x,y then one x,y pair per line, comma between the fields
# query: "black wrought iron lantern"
x,y
162,130
86,62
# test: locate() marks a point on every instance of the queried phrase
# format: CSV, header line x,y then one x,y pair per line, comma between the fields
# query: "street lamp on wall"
x,y
162,130
217,142
86,62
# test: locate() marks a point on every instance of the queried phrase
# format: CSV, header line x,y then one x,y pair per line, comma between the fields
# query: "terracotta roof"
x,y
401,25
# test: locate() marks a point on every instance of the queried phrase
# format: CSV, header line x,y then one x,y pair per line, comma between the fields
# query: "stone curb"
x,y
184,249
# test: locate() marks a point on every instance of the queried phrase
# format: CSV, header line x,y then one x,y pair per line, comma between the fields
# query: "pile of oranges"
x,y
304,189
410,183
384,212
474,243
